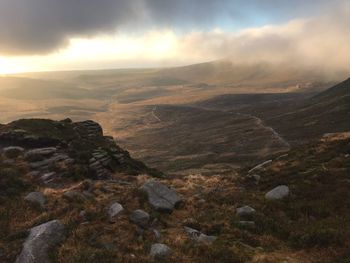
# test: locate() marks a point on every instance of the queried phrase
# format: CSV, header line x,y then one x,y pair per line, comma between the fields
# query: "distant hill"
x,y
326,112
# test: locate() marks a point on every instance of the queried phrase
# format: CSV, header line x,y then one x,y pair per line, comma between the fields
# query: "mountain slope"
x,y
327,112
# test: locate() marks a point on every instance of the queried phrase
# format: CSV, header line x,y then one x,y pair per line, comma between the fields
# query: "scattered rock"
x,y
13,152
40,241
245,211
157,234
198,236
161,197
192,223
160,251
258,167
140,218
114,212
48,177
278,193
36,198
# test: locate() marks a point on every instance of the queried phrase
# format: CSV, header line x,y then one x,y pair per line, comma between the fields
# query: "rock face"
x,y
140,218
41,239
160,251
40,153
278,193
114,211
36,198
245,211
12,152
161,197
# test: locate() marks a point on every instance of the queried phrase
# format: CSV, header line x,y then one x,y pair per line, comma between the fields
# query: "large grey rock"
x,y
160,196
140,218
278,193
245,211
40,241
160,251
114,211
36,198
13,151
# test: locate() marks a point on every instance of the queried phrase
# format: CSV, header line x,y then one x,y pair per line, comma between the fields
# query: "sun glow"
x,y
87,53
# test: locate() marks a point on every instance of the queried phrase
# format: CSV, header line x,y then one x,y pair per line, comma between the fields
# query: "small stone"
x,y
157,234
160,251
192,223
140,218
245,211
278,193
48,176
36,198
114,212
198,236
13,152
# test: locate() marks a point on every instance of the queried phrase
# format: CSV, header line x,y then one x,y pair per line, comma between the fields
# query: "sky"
x,y
46,35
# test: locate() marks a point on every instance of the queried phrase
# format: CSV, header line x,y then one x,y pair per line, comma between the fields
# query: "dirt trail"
x,y
261,123
154,114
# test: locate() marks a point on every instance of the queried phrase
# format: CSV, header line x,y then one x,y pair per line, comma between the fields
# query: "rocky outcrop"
x,y
40,241
161,197
12,152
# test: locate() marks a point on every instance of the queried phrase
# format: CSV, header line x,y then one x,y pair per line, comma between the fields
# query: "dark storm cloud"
x,y
41,26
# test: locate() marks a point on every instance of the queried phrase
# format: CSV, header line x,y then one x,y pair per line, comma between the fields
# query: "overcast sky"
x,y
87,34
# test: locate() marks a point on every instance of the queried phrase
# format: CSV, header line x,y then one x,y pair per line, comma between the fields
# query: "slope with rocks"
x,y
293,208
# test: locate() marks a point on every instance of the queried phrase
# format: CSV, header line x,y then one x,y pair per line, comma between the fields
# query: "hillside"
x,y
85,200
326,112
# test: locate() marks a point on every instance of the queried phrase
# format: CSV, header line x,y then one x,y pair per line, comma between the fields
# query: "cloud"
x,y
43,26
319,43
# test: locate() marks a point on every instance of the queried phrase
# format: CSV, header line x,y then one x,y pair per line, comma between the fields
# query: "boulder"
x,y
36,198
278,193
114,211
160,251
161,197
140,218
245,211
40,241
13,152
